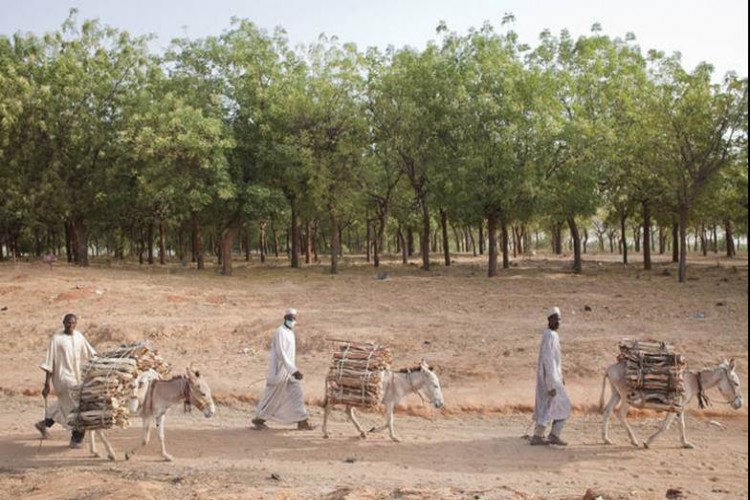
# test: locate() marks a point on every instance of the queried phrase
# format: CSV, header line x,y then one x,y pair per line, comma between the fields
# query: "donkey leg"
x,y
107,445
326,413
389,417
92,444
663,427
144,438
683,437
622,415
160,431
607,414
350,414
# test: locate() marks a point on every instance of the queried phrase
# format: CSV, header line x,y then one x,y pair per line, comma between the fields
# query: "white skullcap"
x,y
290,312
554,310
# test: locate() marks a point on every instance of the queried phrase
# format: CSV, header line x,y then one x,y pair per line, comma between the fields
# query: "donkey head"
x,y
200,393
431,384
729,384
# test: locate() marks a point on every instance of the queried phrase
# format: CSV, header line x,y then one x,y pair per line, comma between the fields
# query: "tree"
x,y
704,123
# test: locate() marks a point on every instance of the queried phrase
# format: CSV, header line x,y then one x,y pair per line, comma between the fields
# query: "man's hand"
x,y
297,375
552,393
45,391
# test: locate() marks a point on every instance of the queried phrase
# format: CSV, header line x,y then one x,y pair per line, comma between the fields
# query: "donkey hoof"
x,y
112,458
326,435
96,454
168,458
646,445
127,456
689,446
608,441
362,435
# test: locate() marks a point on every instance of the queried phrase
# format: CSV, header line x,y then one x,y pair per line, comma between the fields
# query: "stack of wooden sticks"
x,y
355,377
655,374
108,386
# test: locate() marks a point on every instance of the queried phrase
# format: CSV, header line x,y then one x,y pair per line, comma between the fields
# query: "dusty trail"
x,y
481,333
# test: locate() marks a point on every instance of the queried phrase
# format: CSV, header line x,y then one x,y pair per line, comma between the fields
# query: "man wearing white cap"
x,y
282,401
552,403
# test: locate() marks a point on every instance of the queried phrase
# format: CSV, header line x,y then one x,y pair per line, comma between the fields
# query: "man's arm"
x,y
45,390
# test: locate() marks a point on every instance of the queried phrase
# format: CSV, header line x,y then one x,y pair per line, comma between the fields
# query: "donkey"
x,y
152,398
696,382
396,385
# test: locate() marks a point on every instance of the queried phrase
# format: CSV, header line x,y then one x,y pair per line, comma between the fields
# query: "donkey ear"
x,y
197,374
732,364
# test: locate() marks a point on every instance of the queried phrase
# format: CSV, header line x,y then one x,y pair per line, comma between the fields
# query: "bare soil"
x,y
482,335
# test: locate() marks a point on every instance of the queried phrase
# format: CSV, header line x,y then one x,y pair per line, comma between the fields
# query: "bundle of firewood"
x,y
356,374
107,386
104,394
655,374
145,356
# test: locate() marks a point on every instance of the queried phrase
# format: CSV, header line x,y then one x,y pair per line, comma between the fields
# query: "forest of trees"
x,y
240,143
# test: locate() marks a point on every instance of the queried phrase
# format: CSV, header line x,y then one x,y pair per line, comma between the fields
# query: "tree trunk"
x,y
162,243
404,251
380,235
69,242
246,242
294,236
637,238
150,243
197,240
262,243
481,238
504,240
369,248
676,241
623,234
683,213
646,236
729,238
577,262
181,244
227,243
425,236
585,239
492,244
82,242
275,238
141,245
444,231
335,241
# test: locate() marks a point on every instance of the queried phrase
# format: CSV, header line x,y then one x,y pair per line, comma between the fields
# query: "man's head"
x,y
553,318
290,317
69,322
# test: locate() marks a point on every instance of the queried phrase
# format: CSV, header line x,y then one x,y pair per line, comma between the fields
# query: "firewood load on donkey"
x,y
360,377
650,375
109,385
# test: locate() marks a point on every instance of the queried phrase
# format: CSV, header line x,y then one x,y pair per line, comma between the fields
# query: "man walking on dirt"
x,y
68,350
282,401
552,403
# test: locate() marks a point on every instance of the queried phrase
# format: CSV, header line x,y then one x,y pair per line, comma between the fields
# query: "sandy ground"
x,y
481,334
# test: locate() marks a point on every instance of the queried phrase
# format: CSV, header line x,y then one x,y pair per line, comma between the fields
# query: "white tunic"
x,y
549,376
65,355
282,401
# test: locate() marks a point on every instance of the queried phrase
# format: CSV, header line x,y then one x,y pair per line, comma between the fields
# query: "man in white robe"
x,y
283,401
68,350
552,403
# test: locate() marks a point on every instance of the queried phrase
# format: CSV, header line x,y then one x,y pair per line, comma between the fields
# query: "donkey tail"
x,y
604,388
